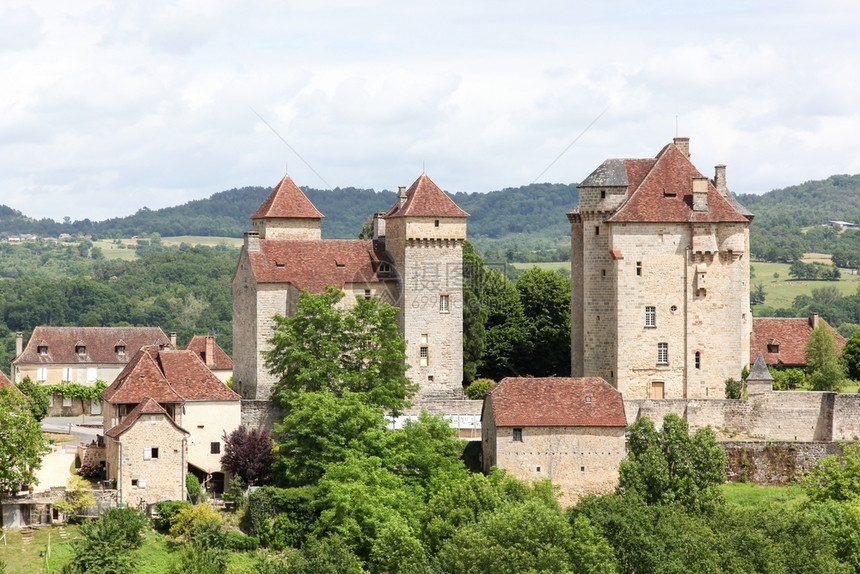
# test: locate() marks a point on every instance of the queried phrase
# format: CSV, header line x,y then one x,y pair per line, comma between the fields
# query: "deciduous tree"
x,y
248,454
22,444
824,371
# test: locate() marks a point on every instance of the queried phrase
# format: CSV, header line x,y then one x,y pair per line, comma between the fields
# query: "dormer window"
x,y
384,268
119,349
81,349
43,349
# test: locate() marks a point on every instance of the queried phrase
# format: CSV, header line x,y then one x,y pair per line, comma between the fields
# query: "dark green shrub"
x,y
192,486
240,542
166,510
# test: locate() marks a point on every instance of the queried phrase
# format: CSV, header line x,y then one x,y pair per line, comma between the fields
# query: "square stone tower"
x,y
660,278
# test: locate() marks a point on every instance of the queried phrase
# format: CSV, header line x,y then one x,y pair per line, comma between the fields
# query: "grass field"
x,y
48,548
747,494
125,249
546,266
780,290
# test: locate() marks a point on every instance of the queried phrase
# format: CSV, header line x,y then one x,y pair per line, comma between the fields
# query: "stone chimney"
x,y
401,195
720,179
210,351
252,241
683,144
813,320
172,336
700,194
378,226
19,343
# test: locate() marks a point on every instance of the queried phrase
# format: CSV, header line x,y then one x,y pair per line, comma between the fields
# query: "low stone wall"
x,y
260,414
773,463
846,417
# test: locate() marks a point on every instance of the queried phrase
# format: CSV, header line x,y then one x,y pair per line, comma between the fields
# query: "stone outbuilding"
x,y
569,430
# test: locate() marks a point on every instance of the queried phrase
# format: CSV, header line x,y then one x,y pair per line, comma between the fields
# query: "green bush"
x,y
240,542
166,510
479,388
192,486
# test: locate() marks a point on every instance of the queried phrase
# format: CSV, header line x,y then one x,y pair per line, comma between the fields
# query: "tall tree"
x,y
824,371
545,297
22,444
507,341
323,346
248,454
475,312
850,357
671,465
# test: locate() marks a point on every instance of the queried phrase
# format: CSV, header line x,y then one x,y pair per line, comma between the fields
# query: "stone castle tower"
x,y
660,278
414,262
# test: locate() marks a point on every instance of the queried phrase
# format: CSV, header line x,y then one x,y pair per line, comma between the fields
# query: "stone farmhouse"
x,y
660,278
569,430
165,414
81,355
214,356
413,262
782,341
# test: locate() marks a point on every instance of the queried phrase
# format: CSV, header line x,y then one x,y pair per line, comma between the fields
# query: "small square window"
x,y
120,349
444,303
81,349
436,223
518,435
639,269
597,230
602,194
367,293
215,448
67,401
43,349
134,482
154,451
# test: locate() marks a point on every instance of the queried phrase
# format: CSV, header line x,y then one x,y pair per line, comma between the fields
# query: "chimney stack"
x,y
813,320
252,241
210,351
19,343
683,144
172,337
700,194
720,179
401,195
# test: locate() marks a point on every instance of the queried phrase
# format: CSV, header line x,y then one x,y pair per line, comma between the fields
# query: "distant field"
x,y
112,249
550,266
781,290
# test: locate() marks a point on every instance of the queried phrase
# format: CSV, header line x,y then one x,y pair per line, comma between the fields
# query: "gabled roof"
x,y
100,342
661,190
426,199
222,360
167,376
191,378
147,407
312,265
141,379
787,336
556,401
287,200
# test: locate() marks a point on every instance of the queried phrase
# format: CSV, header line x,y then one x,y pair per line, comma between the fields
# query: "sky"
x,y
108,107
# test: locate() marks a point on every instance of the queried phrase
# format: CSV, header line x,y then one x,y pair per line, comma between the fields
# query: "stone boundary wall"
x,y
259,414
771,463
846,417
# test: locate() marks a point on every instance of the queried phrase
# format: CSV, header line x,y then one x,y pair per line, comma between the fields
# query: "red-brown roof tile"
x,y
312,265
556,401
287,200
198,345
101,344
5,383
790,337
191,378
426,199
141,379
147,407
665,193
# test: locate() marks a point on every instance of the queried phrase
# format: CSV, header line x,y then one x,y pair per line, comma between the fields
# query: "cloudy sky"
x,y
107,107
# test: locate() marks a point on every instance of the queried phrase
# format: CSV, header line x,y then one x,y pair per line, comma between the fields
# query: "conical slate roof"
x,y
759,371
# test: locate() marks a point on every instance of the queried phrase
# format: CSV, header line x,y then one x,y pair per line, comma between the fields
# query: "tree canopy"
x,y
22,444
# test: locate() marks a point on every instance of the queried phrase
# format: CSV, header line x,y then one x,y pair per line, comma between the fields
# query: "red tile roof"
x,y
426,199
198,345
790,335
312,265
661,190
556,401
147,407
287,200
100,343
141,379
167,376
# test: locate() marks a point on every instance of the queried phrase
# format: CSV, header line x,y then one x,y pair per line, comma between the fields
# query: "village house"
x,y
80,355
782,341
569,430
414,262
214,356
164,415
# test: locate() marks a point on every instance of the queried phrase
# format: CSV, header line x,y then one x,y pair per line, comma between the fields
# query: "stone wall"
x,y
846,417
773,463
260,414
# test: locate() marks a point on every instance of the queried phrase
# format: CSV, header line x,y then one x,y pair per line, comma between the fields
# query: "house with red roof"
x,y
81,355
782,341
569,430
166,414
212,355
414,262
660,277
